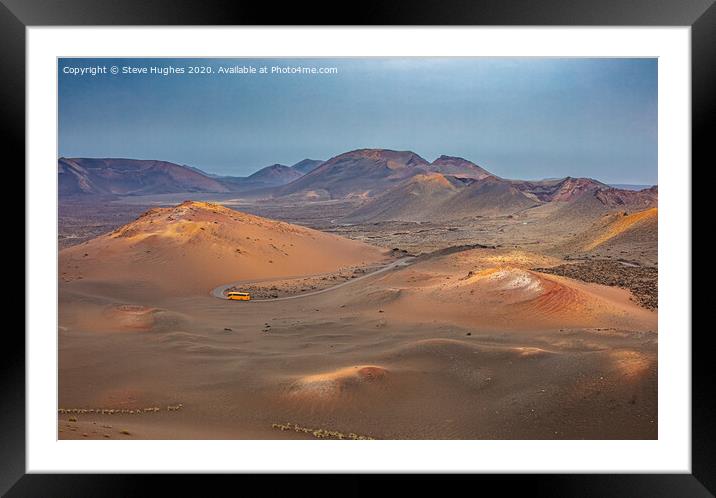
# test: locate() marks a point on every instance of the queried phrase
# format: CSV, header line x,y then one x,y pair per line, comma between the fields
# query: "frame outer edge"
x,y
12,130
703,110
370,12
12,51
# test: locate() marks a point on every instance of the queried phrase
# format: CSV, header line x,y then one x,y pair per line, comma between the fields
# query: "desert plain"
x,y
392,298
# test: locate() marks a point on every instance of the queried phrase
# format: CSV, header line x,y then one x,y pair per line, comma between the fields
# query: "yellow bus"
x,y
239,296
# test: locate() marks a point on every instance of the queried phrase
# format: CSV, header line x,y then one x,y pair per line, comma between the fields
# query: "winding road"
x,y
219,291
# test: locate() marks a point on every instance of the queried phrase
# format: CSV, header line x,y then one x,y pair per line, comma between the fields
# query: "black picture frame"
x,y
16,15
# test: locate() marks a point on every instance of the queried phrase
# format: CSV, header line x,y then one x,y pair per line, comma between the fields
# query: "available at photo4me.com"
x,y
181,69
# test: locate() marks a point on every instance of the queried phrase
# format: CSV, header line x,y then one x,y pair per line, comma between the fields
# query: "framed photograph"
x,y
450,239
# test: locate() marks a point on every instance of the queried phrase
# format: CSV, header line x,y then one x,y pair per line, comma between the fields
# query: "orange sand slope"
x,y
618,226
195,246
497,289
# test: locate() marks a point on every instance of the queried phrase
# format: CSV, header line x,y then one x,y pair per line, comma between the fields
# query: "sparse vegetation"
x,y
319,433
117,411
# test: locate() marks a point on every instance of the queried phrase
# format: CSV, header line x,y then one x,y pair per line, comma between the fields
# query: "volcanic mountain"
x,y
458,167
489,196
88,176
84,176
268,178
633,199
360,173
438,197
307,165
573,189
276,174
192,247
560,189
414,200
583,199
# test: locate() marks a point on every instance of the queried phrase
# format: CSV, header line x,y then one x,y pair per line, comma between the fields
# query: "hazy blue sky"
x,y
519,118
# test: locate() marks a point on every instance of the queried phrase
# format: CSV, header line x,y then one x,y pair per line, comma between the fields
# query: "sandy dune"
x,y
497,289
336,383
196,246
474,344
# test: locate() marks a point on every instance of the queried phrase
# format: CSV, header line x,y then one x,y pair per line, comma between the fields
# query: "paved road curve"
x,y
218,292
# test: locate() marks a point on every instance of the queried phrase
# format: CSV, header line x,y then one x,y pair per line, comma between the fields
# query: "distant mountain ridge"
x,y
85,176
439,197
81,177
630,186
573,189
387,184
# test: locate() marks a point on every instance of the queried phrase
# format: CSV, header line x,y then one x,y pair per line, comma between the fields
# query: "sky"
x,y
525,118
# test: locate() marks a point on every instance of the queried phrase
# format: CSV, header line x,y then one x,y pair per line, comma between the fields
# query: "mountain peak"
x,y
307,165
406,157
275,174
459,167
444,158
359,173
570,188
